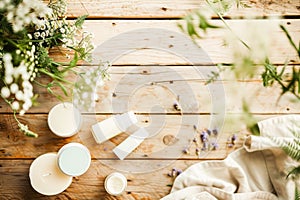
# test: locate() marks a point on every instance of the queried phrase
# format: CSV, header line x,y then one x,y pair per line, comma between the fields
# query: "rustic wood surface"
x,y
149,79
176,8
143,52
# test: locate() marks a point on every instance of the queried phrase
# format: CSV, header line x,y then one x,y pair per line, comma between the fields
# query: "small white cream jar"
x,y
115,184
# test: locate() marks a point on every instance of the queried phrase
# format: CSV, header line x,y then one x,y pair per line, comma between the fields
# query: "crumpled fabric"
x,y
257,171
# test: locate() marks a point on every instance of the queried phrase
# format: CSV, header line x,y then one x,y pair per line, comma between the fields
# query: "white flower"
x,y
10,16
22,69
85,95
36,35
43,27
25,76
43,34
5,93
22,112
27,104
14,88
2,5
88,81
27,85
8,79
15,105
19,95
33,49
7,57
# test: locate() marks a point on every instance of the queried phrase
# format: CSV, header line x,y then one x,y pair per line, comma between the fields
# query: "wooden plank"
x,y
15,145
155,89
160,42
174,8
15,183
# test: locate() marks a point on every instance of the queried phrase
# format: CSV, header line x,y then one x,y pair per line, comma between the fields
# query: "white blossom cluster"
x,y
29,28
22,15
18,82
42,30
59,8
85,90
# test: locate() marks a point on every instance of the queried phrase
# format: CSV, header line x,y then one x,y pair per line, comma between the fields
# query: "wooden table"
x,y
149,81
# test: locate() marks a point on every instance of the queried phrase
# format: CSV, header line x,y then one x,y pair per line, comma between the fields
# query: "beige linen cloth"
x,y
256,171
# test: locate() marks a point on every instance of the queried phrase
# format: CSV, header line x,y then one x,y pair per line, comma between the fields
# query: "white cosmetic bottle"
x,y
113,126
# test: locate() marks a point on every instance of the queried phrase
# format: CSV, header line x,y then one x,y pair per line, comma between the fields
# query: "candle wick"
x,y
48,174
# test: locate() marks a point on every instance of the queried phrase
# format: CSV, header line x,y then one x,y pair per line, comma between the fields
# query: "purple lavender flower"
x,y
233,138
214,145
205,145
204,136
179,171
215,132
195,127
186,151
174,172
208,132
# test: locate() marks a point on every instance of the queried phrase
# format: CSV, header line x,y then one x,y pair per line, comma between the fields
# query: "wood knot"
x,y
170,139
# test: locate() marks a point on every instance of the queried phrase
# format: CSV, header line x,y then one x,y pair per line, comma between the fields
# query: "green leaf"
x,y
191,29
204,24
73,62
290,39
295,171
80,20
63,88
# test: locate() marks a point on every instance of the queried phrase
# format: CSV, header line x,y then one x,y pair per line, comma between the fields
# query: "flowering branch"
x,y
29,29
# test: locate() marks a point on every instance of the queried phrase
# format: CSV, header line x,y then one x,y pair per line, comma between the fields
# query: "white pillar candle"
x,y
46,177
64,120
74,159
115,183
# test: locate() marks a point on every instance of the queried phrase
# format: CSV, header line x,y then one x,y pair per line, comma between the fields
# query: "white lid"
x,y
64,119
115,183
74,159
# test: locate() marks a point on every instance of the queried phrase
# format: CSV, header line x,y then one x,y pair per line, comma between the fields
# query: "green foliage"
x,y
272,75
193,29
223,6
26,38
292,149
197,23
79,22
291,40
